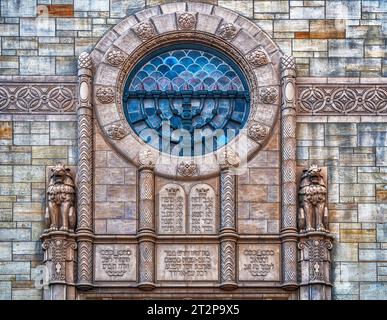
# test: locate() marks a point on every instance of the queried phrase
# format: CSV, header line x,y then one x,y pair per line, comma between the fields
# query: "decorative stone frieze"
x,y
227,31
145,30
116,131
257,58
105,95
186,21
115,57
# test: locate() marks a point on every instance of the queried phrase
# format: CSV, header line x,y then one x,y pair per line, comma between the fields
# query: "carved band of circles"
x,y
186,21
145,30
227,31
115,57
257,58
105,95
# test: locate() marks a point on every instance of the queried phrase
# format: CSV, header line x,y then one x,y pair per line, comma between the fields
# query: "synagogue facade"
x,y
193,150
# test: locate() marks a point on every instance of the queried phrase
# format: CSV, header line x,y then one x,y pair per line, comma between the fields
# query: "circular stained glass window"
x,y
186,100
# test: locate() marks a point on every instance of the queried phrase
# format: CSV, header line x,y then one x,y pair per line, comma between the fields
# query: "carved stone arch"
x,y
118,52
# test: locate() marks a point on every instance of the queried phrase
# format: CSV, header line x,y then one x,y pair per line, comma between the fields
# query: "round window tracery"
x,y
186,100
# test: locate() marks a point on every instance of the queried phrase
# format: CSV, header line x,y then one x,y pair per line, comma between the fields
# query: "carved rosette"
x,y
186,21
115,57
257,58
228,31
288,176
116,131
268,95
257,131
105,95
145,30
85,174
187,168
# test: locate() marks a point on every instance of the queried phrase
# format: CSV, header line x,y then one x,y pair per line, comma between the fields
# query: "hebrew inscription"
x,y
171,209
259,262
202,209
187,262
115,262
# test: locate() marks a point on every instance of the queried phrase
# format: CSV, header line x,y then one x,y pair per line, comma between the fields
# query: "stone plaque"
x,y
171,209
191,262
202,209
259,262
115,262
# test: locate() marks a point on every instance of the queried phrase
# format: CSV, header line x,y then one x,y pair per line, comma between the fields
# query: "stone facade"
x,y
340,52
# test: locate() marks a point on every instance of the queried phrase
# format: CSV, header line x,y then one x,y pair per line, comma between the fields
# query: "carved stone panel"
x,y
115,262
202,208
190,262
171,211
259,262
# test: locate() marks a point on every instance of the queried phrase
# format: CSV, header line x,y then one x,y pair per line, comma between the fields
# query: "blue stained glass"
x,y
172,72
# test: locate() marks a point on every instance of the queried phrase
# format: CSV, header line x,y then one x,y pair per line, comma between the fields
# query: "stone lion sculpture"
x,y
60,211
313,213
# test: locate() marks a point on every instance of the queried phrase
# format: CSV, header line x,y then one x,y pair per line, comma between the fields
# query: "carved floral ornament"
x,y
228,31
105,95
257,58
187,168
115,57
186,21
228,158
257,131
147,158
153,38
116,131
145,30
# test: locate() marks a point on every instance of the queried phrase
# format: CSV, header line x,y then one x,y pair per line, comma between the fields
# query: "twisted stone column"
x,y
85,173
289,186
228,235
146,232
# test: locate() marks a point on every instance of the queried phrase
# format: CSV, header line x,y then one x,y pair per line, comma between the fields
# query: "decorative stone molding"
x,y
229,33
37,98
186,21
333,99
85,174
288,177
257,58
147,159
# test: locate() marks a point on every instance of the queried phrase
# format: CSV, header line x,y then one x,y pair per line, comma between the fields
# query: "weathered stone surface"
x,y
353,235
121,226
358,271
345,252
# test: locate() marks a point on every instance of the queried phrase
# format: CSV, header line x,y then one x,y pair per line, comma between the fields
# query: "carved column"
x,y
146,229
85,173
288,174
60,261
228,235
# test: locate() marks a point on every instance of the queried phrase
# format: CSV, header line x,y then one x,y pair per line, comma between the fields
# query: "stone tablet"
x,y
115,262
202,208
171,209
194,262
259,262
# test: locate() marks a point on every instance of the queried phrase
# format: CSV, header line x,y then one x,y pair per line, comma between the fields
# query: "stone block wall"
x,y
354,151
28,145
328,38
